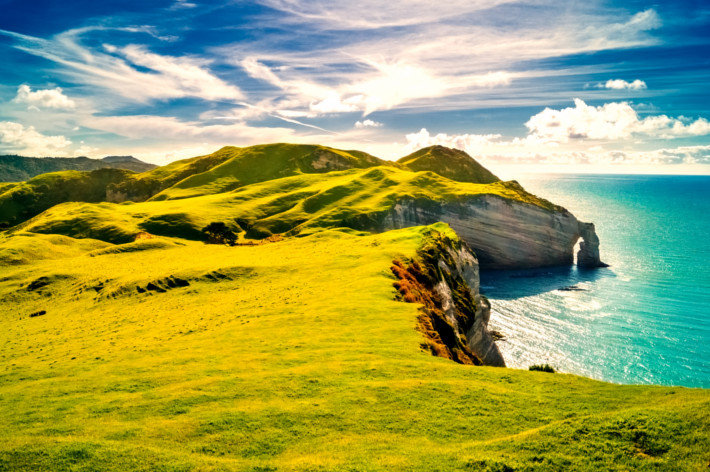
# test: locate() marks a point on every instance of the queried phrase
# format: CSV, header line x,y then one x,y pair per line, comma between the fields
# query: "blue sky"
x,y
536,85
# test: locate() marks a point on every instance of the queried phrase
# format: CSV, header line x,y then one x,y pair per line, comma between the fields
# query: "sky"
x,y
539,85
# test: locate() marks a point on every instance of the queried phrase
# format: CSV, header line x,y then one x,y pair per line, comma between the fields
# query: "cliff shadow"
x,y
512,284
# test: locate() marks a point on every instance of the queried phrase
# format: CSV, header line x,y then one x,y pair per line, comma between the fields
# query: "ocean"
x,y
643,320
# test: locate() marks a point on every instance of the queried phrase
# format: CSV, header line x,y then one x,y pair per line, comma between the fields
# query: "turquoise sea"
x,y
646,318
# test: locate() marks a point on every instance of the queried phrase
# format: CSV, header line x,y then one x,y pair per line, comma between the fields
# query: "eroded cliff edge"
x,y
444,278
504,233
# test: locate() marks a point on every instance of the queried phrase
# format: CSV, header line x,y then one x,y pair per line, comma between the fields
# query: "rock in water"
x,y
588,254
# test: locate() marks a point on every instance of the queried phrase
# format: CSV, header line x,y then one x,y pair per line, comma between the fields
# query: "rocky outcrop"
x,y
454,320
504,233
588,254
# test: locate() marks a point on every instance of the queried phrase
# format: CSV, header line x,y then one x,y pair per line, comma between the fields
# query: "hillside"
x,y
222,171
174,355
19,168
23,200
344,329
375,200
447,162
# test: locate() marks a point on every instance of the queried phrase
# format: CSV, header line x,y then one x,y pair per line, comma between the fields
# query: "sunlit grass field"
x,y
174,355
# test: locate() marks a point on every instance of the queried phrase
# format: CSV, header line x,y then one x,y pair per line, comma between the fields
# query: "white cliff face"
x,y
505,234
462,265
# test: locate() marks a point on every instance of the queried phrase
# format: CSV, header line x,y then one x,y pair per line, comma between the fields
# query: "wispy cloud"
x,y
373,14
449,56
129,71
174,129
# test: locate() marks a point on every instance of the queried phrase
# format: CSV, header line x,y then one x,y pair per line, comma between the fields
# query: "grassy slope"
x,y
23,200
450,163
297,204
19,168
287,356
224,170
266,162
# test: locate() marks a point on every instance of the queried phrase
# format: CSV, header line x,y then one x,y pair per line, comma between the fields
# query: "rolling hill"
x,y
324,339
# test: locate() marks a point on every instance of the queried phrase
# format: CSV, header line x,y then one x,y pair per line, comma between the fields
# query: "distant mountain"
x,y
19,168
123,159
450,163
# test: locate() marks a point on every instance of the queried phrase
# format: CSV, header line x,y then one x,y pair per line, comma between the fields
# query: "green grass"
x,y
267,162
228,169
286,356
300,204
451,163
168,354
21,201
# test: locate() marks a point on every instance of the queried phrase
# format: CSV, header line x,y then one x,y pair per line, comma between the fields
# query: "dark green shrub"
x,y
542,368
218,233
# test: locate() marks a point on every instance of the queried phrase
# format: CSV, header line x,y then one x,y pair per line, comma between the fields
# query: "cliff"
x,y
454,317
505,233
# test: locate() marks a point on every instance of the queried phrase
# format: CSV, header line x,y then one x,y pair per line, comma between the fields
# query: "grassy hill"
x,y
448,162
19,168
23,200
265,162
356,198
224,170
233,168
289,353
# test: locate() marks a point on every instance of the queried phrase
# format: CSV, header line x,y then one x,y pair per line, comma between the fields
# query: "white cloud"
x,y
510,157
611,121
48,98
384,86
471,143
182,4
85,150
645,159
619,84
14,137
259,71
335,104
367,124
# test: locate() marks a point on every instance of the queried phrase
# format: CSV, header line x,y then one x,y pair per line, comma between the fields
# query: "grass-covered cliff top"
x,y
167,354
